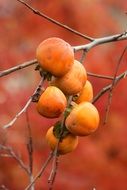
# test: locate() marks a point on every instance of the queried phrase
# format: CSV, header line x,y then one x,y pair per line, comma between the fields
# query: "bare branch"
x,y
39,174
113,85
12,154
99,76
99,41
54,169
108,87
29,144
18,67
18,115
30,150
102,91
25,107
55,22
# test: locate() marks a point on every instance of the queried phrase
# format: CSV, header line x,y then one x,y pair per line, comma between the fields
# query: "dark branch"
x,y
108,87
18,67
29,144
55,22
99,41
99,76
40,172
26,105
113,85
12,154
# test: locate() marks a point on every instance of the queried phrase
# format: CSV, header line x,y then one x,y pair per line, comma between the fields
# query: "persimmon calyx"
x,y
46,75
60,131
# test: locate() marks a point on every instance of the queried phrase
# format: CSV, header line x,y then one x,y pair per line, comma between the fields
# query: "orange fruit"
x,y
55,56
86,94
52,102
67,144
73,81
83,119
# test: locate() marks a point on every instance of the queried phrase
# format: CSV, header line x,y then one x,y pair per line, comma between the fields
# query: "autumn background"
x,y
100,160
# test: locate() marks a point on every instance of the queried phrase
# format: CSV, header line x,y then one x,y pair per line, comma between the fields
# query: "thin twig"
x,y
108,87
101,92
93,41
39,174
30,150
25,107
18,115
52,176
13,155
18,67
113,85
99,41
99,76
55,21
30,144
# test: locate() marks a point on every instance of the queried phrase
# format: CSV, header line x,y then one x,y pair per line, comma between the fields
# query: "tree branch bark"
x,y
18,67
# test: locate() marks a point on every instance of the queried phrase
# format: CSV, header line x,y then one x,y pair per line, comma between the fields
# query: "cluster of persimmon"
x,y
69,79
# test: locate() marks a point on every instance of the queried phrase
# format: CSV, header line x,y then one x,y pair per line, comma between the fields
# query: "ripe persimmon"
x,y
86,94
52,102
73,81
55,56
83,119
66,144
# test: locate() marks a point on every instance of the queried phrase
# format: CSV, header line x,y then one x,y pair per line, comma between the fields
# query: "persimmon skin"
x,y
83,119
86,94
55,56
73,81
66,145
52,102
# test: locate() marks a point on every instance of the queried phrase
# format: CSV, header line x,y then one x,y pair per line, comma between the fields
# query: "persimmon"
x,y
66,144
83,119
55,56
86,94
73,81
52,102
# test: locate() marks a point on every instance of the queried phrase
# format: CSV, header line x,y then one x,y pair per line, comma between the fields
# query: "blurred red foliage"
x,y
100,160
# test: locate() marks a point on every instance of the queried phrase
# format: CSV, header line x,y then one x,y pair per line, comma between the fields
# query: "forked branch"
x,y
39,174
103,40
108,87
113,85
10,153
